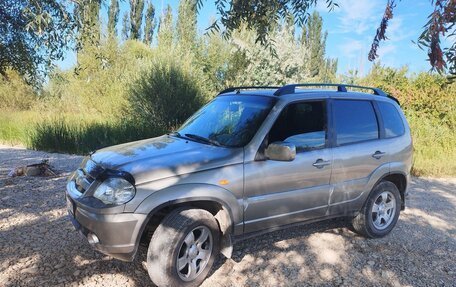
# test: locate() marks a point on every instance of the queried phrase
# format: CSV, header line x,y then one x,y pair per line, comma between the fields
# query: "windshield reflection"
x,y
229,121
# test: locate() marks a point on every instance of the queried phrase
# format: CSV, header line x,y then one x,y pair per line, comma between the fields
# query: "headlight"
x,y
115,190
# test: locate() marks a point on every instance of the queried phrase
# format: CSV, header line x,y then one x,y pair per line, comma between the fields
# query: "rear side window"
x,y
391,120
355,121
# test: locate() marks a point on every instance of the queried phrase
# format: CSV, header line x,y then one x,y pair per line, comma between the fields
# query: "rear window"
x,y
391,120
355,121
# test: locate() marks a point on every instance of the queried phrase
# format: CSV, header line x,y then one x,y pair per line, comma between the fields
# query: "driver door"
x,y
283,192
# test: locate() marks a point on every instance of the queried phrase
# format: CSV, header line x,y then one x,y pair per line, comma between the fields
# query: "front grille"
x,y
86,175
82,181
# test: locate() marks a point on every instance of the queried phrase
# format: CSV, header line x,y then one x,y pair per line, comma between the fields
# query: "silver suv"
x,y
252,159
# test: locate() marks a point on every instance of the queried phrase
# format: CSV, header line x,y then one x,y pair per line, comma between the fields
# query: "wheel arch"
x,y
196,196
399,179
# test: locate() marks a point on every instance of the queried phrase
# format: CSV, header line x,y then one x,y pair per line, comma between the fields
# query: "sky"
x,y
351,28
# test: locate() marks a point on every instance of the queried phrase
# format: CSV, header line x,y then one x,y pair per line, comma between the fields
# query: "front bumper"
x,y
117,234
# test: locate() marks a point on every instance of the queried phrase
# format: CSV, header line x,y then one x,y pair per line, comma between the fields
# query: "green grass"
x,y
434,147
68,136
69,133
14,126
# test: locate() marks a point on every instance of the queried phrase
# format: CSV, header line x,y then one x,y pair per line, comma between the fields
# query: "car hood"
x,y
165,156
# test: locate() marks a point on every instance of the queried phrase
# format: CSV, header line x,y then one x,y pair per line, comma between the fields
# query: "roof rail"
x,y
238,89
290,89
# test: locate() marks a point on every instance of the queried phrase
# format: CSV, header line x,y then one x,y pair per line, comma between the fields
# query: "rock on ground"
x,y
39,247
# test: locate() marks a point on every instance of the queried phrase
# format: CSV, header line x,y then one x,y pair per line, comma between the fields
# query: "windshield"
x,y
229,121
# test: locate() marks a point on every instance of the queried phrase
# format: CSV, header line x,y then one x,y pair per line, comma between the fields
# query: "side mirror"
x,y
281,151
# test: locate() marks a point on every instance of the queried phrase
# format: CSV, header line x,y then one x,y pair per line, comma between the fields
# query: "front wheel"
x,y
183,248
380,212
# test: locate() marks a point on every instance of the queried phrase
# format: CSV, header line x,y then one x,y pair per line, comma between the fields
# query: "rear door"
x,y
357,150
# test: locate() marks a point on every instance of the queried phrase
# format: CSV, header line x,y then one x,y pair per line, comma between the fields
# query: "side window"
x,y
391,120
302,124
354,121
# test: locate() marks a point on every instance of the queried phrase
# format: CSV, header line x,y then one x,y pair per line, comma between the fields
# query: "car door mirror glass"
x,y
281,151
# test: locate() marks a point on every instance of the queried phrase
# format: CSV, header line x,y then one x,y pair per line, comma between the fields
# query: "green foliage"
x,y
113,17
125,26
32,35
63,135
87,13
15,93
15,125
149,27
136,17
101,80
314,40
165,95
166,30
186,24
295,60
261,16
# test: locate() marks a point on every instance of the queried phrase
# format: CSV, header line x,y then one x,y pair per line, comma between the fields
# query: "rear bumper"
x,y
116,234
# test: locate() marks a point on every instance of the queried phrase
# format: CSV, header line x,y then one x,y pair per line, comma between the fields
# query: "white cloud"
x,y
359,16
386,50
396,31
351,48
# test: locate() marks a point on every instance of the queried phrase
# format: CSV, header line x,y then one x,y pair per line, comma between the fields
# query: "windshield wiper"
x,y
203,139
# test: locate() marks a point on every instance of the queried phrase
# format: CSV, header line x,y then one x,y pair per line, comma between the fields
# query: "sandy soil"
x,y
39,246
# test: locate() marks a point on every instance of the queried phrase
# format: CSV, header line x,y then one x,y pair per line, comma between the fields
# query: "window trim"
x,y
383,123
380,123
326,117
333,124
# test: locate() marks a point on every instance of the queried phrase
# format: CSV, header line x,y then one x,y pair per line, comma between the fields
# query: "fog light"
x,y
92,238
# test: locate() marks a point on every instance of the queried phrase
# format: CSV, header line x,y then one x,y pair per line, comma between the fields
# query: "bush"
x,y
15,94
165,95
66,136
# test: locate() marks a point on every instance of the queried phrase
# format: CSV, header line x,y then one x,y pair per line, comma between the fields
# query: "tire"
x,y
172,241
376,220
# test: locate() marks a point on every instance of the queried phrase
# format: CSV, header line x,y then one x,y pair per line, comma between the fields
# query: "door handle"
x,y
378,154
321,163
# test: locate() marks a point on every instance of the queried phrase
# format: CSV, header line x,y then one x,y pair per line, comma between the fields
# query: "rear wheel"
x,y
380,212
183,248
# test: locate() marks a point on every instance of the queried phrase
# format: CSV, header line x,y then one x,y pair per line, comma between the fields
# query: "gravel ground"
x,y
39,246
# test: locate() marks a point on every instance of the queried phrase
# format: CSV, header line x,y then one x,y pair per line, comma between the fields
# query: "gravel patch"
x,y
39,246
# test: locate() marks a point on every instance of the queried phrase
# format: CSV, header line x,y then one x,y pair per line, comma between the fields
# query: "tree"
x,y
150,24
186,23
136,16
165,29
113,17
87,13
251,64
32,35
125,27
262,15
313,38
